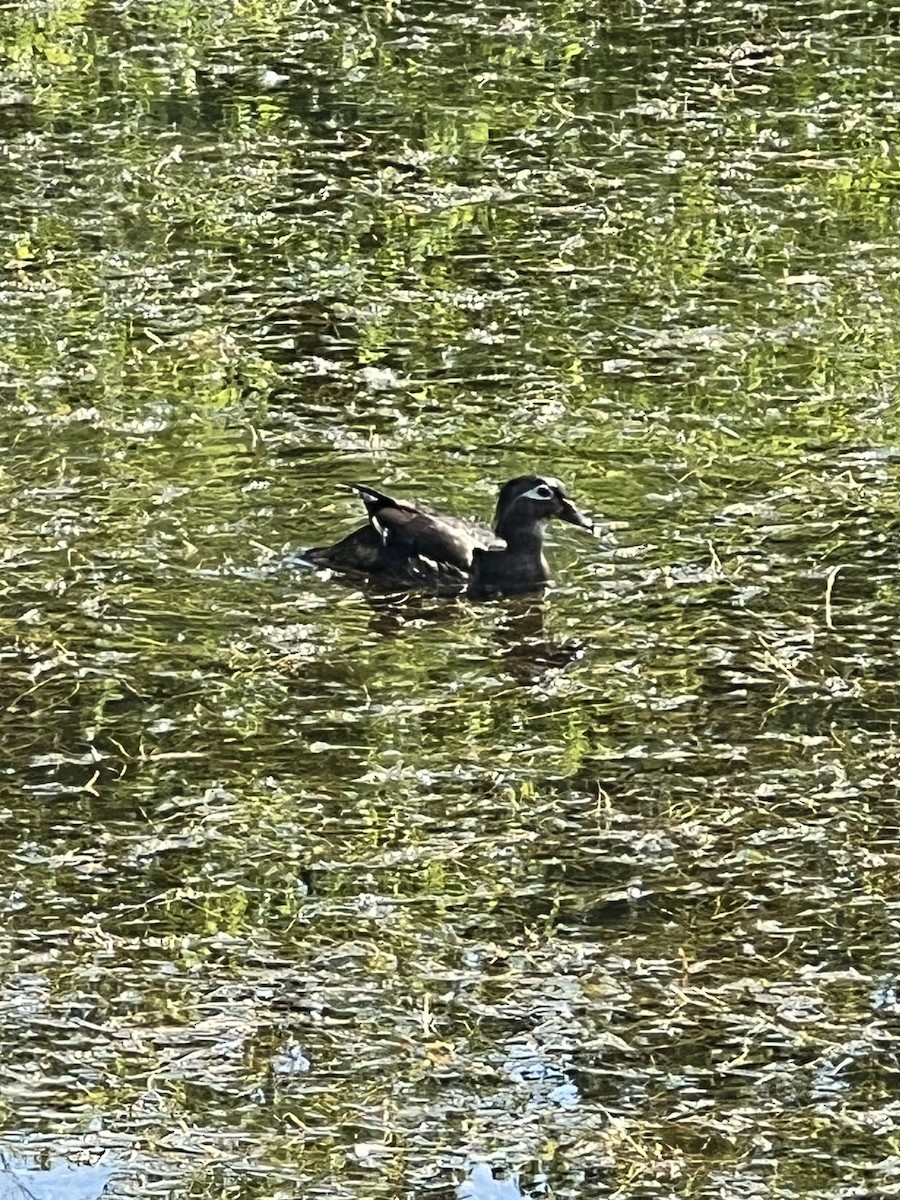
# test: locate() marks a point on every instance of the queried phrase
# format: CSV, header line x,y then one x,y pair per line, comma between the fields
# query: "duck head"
x,y
528,502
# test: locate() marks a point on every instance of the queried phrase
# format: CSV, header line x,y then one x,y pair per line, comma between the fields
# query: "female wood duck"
x,y
407,546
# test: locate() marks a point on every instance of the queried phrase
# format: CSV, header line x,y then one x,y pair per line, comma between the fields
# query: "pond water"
x,y
312,892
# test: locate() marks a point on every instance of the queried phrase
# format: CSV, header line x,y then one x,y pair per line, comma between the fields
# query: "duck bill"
x,y
568,512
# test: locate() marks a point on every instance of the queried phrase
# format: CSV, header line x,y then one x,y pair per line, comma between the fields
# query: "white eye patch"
x,y
540,492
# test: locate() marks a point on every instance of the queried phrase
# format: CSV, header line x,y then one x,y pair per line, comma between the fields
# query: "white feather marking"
x,y
540,492
381,530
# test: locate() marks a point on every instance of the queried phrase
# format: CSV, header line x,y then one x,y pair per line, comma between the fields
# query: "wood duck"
x,y
408,546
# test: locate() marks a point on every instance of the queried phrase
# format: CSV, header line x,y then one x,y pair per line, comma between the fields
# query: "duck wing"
x,y
413,533
360,552
406,545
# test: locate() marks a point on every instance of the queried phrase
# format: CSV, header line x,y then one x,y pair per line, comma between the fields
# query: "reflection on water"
x,y
528,654
52,1181
518,629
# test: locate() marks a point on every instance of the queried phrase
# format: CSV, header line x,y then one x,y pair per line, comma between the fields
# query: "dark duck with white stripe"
x,y
408,546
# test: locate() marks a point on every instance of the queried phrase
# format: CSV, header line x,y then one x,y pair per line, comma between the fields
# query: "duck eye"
x,y
540,491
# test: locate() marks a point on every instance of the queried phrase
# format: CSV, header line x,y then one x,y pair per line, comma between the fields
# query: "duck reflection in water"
x,y
525,651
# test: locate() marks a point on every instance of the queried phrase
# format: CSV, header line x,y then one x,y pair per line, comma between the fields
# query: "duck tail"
x,y
371,497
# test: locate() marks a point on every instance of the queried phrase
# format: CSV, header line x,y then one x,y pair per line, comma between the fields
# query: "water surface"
x,y
311,892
